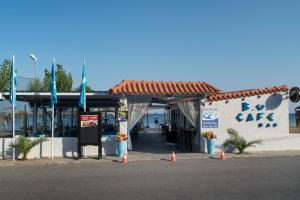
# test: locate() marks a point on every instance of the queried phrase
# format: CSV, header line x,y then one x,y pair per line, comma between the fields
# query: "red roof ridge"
x,y
164,87
247,93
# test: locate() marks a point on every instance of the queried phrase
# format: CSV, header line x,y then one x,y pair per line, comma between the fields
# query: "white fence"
x,y
67,147
63,147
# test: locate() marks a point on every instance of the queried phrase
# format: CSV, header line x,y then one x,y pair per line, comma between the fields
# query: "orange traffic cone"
x,y
124,159
173,157
222,156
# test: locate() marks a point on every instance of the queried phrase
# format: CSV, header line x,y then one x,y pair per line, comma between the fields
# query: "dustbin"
x,y
211,146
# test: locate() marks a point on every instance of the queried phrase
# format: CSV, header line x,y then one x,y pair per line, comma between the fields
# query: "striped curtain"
x,y
137,105
191,112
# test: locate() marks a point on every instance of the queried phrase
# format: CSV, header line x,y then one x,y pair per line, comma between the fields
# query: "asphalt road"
x,y
251,178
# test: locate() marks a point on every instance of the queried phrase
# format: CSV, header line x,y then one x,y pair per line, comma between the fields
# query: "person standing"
x,y
156,120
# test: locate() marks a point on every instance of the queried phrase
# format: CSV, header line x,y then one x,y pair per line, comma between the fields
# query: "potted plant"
x,y
210,138
122,141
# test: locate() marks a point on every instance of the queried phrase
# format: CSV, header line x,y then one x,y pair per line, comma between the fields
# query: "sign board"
x,y
294,94
88,121
89,131
210,118
122,116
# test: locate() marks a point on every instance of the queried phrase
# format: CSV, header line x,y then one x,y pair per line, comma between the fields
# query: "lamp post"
x,y
34,126
34,58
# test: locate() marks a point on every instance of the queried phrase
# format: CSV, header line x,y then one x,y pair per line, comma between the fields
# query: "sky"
x,y
231,44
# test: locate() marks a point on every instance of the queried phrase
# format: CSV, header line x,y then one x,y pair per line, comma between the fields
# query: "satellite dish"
x,y
294,94
33,57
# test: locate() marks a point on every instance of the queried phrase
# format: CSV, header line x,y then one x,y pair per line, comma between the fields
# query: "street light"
x,y
34,58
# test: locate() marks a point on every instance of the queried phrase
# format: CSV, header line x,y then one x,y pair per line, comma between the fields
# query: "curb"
x,y
41,162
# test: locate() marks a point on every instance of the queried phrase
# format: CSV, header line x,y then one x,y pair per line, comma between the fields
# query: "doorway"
x,y
149,135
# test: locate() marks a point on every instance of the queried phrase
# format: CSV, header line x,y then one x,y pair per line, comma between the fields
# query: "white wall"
x,y
277,138
63,147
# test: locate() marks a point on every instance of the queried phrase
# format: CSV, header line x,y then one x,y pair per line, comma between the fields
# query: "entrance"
x,y
150,135
184,98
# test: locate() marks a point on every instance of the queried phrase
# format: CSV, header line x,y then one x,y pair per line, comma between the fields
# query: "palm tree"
x,y
238,141
23,145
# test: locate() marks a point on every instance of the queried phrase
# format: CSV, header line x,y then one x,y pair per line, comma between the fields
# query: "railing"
x,y
185,140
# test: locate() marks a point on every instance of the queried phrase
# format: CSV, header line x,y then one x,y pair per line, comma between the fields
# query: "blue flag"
x,y
13,83
82,100
53,85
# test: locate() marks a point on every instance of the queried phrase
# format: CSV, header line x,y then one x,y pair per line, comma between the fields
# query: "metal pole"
x,y
52,134
34,119
147,119
13,107
72,118
34,62
84,109
13,112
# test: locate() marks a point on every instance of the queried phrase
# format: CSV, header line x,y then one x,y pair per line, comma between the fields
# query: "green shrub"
x,y
23,145
238,141
36,85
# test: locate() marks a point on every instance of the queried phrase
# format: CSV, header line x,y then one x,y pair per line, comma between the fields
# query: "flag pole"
x,y
84,109
13,106
52,125
52,132
53,102
14,137
84,106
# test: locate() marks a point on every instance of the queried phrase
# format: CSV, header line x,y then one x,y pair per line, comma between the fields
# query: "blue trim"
x,y
245,106
249,118
239,117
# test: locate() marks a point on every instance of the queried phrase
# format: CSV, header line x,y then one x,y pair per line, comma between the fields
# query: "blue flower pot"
x,y
122,148
211,146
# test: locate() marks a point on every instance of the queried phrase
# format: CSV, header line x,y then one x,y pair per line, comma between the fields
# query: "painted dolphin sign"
x,y
210,118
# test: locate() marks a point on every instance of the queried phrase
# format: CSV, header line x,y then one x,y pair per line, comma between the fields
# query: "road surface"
x,y
251,178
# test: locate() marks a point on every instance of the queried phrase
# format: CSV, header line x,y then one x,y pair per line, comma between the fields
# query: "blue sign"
x,y
210,118
259,116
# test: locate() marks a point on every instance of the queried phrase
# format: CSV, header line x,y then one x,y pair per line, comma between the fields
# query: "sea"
x,y
292,120
67,120
151,121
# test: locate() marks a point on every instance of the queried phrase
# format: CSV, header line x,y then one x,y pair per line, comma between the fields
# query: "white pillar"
x,y
123,124
202,140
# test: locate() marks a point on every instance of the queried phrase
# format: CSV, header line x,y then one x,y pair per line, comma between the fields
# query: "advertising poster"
x,y
210,118
123,115
88,121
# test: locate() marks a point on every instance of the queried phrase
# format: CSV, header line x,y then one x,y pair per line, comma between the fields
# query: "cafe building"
x,y
190,108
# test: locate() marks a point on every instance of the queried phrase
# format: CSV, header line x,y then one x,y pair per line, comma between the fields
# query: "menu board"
x,y
89,121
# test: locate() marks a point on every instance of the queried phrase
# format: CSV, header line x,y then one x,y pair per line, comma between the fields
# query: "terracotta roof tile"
x,y
246,93
163,87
